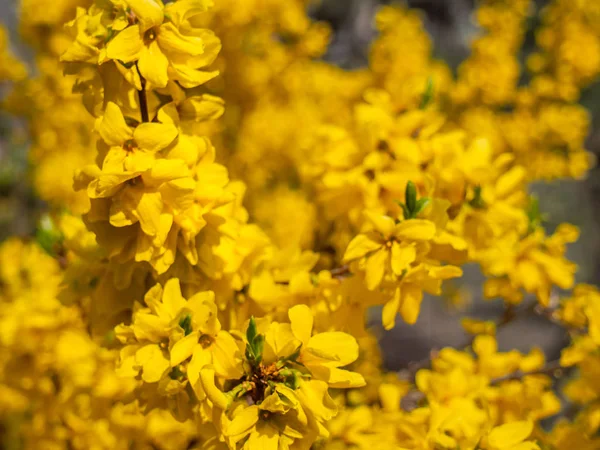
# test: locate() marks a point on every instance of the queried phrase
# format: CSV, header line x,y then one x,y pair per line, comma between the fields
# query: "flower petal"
x,y
148,12
243,422
339,349
390,310
375,268
112,126
172,299
148,210
361,245
183,348
402,257
410,304
190,78
153,361
182,9
171,39
510,434
201,107
382,223
164,170
154,136
126,46
224,350
415,229
301,319
153,65
214,394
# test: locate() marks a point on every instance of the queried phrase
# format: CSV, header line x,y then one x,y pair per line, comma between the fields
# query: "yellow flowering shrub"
x,y
225,209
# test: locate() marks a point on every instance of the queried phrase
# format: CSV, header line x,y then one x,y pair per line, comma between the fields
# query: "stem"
x,y
553,369
341,272
142,97
143,103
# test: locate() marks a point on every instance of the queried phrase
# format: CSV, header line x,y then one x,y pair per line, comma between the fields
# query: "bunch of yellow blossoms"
x,y
225,209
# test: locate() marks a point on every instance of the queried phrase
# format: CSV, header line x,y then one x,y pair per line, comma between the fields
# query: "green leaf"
x,y
251,331
48,236
477,200
534,214
249,354
186,323
410,196
258,346
109,35
176,373
421,205
255,345
428,94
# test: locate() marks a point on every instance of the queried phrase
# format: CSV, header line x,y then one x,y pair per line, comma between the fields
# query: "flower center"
x,y
150,36
205,340
129,145
135,181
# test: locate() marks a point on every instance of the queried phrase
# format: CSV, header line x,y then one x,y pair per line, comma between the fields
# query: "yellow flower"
x,y
390,248
533,264
407,296
161,44
283,396
323,353
168,332
511,436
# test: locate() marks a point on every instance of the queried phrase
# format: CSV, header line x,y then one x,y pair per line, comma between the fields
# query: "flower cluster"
x,y
226,209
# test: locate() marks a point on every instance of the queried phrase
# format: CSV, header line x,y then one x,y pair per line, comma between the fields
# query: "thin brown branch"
x,y
142,98
552,369
341,272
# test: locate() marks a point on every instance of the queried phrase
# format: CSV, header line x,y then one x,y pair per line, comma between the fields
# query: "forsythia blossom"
x,y
225,209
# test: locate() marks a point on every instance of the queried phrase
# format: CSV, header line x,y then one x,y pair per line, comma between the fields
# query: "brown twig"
x,y
341,272
553,369
142,97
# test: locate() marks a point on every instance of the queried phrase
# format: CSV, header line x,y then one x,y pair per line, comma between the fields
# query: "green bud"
x,y
48,236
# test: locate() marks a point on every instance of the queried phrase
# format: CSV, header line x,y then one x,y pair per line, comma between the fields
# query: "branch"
x,y
142,97
552,369
341,272
143,103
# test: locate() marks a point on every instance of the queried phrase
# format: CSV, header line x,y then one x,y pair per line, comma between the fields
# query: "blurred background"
x,y
451,27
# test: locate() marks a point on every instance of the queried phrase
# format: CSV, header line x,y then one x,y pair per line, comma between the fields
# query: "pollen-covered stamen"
x,y
260,379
